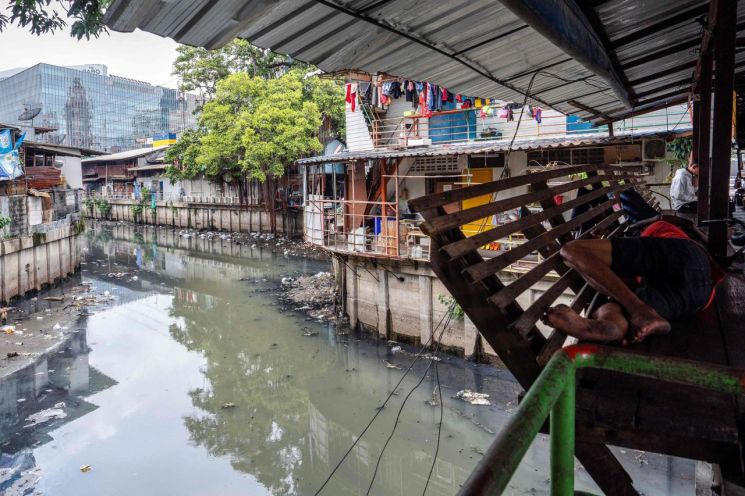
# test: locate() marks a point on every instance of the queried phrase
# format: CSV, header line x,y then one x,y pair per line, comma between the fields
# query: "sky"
x,y
138,55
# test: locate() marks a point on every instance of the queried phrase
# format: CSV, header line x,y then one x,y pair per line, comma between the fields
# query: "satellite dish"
x,y
29,113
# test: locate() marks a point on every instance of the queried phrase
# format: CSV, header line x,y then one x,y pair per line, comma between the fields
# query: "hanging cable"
x,y
382,407
449,315
439,430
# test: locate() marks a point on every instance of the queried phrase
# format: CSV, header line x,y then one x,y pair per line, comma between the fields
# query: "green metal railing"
x,y
553,394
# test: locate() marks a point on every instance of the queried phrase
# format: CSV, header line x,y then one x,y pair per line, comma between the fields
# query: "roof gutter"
x,y
563,23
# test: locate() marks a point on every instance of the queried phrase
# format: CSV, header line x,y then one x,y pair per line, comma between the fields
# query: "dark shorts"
x,y
676,273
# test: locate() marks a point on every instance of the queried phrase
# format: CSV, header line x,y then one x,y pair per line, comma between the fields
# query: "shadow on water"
x,y
197,382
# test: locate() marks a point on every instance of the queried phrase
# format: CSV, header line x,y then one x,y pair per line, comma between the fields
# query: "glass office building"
x,y
83,107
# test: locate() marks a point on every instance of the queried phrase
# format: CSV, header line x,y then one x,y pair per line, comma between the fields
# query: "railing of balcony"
x,y
481,124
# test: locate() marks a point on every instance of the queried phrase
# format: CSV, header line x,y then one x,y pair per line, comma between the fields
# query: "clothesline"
x,y
427,98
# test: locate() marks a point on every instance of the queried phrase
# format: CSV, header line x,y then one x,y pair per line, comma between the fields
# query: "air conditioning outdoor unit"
x,y
654,149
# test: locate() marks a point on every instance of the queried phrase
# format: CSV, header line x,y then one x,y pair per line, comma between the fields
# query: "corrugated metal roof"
x,y
153,167
483,35
496,146
139,152
473,47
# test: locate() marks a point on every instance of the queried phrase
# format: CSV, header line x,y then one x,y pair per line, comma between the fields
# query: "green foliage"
x,y
89,203
4,222
456,311
42,17
681,148
256,127
199,69
103,206
143,203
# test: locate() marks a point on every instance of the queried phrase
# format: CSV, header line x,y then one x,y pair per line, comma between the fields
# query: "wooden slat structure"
x,y
612,409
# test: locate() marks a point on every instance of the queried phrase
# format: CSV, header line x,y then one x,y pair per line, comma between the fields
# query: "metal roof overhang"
x,y
498,146
490,48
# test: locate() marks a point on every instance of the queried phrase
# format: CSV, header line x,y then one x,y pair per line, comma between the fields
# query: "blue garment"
x,y
6,143
137,190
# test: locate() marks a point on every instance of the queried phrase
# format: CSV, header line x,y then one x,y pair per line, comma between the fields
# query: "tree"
x,y
40,18
256,128
199,69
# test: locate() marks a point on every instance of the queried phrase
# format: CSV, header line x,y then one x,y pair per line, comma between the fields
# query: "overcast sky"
x,y
137,55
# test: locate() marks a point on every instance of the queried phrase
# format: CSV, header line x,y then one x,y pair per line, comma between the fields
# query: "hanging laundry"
x,y
444,95
530,111
478,103
459,98
510,115
396,89
409,91
467,103
365,91
538,114
503,113
512,105
387,88
351,96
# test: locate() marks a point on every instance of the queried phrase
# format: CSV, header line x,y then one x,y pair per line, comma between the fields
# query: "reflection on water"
x,y
199,384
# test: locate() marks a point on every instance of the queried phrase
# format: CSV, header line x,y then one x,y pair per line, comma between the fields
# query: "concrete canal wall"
x,y
405,301
210,216
46,255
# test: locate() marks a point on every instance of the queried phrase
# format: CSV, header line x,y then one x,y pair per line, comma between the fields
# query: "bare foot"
x,y
566,320
563,318
645,321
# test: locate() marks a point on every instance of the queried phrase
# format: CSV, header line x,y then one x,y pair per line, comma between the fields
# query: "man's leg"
x,y
608,323
592,260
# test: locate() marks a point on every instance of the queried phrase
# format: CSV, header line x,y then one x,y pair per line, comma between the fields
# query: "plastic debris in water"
x,y
395,349
8,329
228,405
85,468
473,397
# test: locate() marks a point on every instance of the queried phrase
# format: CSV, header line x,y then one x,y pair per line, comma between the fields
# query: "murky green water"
x,y
195,382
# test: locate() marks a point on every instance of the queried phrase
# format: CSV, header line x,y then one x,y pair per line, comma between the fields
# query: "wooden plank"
x,y
552,262
556,339
488,267
531,314
493,323
731,313
472,243
456,219
443,198
605,469
527,280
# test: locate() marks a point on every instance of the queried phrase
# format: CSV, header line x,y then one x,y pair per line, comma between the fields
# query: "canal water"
x,y
195,381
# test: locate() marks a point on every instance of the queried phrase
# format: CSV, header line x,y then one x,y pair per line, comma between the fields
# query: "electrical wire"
x,y
449,314
382,407
439,430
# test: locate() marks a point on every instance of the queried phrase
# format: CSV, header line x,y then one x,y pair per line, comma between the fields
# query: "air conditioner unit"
x,y
654,149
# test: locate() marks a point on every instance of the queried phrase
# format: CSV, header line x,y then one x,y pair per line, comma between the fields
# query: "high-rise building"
x,y
82,106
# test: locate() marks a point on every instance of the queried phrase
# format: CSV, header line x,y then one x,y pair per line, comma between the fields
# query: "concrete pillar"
x,y
383,303
425,309
353,291
470,338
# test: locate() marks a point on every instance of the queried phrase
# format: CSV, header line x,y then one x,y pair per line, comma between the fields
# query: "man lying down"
x,y
661,276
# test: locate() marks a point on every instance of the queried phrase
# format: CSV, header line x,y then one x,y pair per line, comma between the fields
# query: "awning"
x,y
497,146
496,49
153,167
